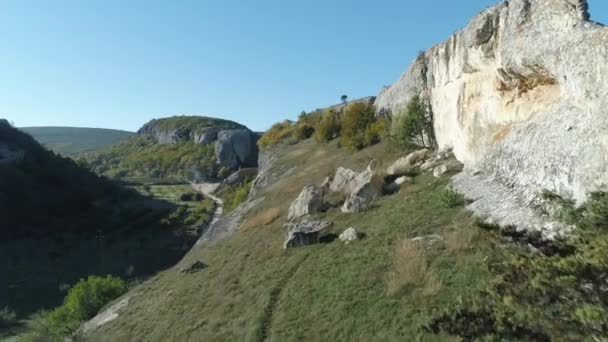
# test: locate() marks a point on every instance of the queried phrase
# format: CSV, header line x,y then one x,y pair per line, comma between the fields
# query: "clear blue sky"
x,y
117,64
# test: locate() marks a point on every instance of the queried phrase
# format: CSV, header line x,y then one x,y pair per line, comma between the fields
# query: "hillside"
x,y
61,222
497,230
75,141
178,149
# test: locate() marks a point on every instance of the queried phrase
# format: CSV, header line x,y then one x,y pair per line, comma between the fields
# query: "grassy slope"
x,y
73,141
254,290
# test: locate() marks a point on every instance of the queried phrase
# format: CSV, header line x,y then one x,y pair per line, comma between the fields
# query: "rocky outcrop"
x,y
235,144
408,163
236,148
306,232
520,96
309,201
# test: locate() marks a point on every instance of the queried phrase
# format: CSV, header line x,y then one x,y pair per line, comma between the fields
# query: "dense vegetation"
x,y
45,193
83,302
188,124
74,141
356,125
414,126
142,157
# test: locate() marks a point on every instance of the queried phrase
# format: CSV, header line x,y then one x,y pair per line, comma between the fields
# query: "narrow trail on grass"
x,y
275,295
208,189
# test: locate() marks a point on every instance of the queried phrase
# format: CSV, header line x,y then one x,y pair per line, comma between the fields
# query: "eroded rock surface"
x,y
309,201
305,232
519,95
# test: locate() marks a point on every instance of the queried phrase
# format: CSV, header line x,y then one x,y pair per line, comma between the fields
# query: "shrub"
x,y
199,197
233,196
328,127
186,197
451,198
279,132
414,126
303,131
356,119
83,301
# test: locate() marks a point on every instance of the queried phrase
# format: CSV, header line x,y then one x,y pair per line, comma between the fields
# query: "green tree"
x,y
343,98
415,125
328,127
356,120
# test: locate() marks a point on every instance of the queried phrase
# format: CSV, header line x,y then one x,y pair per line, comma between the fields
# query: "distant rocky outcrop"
x,y
520,96
235,144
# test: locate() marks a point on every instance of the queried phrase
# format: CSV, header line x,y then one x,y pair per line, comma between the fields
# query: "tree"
x,y
415,125
344,98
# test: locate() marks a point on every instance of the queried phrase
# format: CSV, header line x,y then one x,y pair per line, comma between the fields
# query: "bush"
x,y
186,197
356,119
328,127
451,198
279,132
199,197
224,172
83,301
414,126
233,196
303,131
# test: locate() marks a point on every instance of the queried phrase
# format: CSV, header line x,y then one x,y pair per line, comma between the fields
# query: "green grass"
x,y
253,289
74,141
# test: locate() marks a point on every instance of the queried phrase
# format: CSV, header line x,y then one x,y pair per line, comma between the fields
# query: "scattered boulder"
x,y
408,163
304,233
349,235
392,187
308,202
343,181
326,185
194,267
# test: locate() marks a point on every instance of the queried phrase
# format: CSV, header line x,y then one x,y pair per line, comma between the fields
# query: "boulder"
x,y
308,202
343,181
194,267
408,163
349,235
236,148
367,186
304,233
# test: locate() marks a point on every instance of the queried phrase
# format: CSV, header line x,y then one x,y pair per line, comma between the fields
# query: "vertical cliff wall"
x,y
520,95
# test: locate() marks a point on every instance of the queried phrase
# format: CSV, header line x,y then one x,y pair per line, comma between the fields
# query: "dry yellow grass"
x,y
459,239
411,267
264,218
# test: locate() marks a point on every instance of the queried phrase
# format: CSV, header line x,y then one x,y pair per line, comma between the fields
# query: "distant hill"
x,y
60,222
180,148
73,141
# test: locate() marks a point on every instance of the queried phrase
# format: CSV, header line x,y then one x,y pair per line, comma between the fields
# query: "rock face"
x,y
235,145
309,201
235,148
520,96
241,176
304,233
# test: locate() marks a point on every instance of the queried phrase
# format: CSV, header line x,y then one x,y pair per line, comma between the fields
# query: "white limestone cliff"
x,y
520,95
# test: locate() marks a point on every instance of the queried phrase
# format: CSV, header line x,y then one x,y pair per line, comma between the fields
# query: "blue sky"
x,y
118,64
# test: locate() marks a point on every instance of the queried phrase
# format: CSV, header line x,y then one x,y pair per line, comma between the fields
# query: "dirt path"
x,y
208,189
275,295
